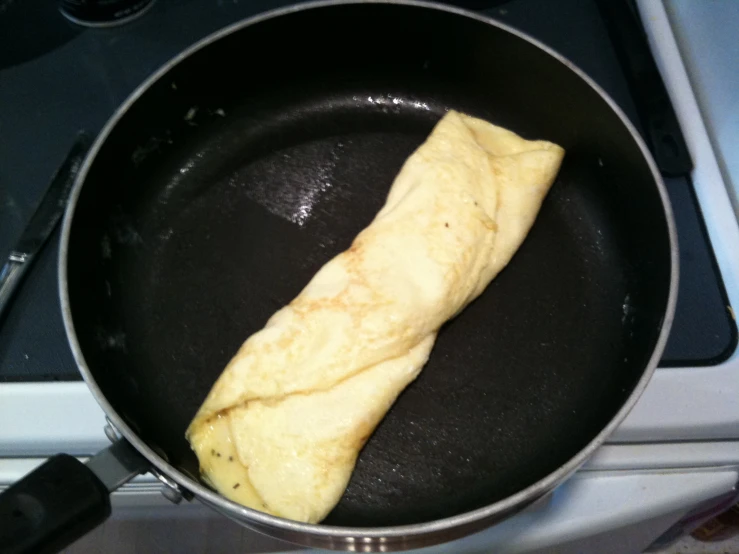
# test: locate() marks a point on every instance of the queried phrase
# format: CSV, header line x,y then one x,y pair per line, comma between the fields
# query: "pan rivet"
x,y
110,432
170,489
171,494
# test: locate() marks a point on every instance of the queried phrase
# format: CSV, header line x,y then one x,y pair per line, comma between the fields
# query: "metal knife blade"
x,y
43,221
52,205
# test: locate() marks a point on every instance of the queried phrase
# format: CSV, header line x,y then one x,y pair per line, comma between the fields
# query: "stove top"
x,y
62,78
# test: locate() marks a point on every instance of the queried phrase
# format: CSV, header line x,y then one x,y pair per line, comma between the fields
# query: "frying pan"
x,y
240,167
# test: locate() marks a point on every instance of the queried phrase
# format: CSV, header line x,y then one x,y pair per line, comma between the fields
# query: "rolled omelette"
x,y
282,427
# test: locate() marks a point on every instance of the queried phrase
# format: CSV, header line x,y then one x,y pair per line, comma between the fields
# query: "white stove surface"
x,y
706,36
680,444
697,403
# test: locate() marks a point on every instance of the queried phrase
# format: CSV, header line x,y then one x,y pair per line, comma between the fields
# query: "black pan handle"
x,y
64,499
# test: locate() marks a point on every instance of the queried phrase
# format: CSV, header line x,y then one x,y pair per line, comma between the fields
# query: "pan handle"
x,y
63,499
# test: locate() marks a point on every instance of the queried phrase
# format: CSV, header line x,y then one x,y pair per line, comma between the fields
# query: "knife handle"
x,y
11,275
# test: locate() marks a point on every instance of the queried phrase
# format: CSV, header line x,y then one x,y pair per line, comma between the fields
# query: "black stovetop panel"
x,y
61,78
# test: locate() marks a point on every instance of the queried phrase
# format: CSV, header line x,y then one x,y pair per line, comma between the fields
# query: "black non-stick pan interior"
x,y
251,163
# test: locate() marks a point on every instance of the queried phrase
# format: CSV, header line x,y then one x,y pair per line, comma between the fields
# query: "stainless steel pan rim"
x,y
359,538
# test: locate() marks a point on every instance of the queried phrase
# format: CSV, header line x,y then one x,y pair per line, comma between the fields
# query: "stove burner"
x,y
103,13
